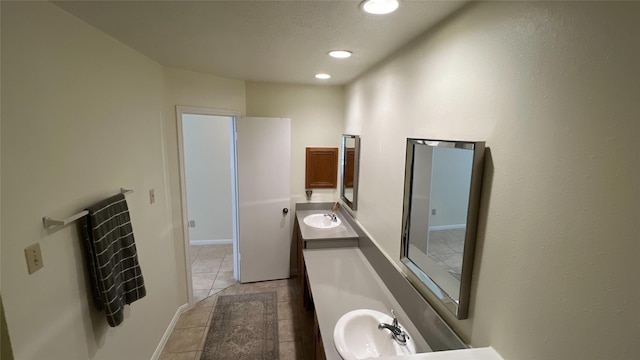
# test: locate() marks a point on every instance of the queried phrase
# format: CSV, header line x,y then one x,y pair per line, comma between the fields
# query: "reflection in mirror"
x,y
442,193
349,170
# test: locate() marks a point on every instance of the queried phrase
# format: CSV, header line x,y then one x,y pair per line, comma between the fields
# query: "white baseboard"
x,y
211,242
447,227
167,333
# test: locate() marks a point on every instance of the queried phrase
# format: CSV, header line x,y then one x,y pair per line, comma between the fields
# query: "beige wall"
x,y
553,89
81,118
317,119
207,167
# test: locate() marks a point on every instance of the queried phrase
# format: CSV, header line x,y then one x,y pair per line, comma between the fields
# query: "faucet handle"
x,y
395,319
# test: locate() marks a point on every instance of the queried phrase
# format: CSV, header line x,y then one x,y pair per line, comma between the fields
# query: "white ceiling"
x,y
279,41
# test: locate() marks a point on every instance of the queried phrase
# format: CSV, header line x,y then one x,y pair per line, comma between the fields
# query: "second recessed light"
x,y
340,54
380,7
323,76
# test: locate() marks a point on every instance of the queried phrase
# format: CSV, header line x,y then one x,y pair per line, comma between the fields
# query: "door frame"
x,y
181,110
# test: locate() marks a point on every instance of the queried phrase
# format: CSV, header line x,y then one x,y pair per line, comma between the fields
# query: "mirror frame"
x,y
351,203
459,307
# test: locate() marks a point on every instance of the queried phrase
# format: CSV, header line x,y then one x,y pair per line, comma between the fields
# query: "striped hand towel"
x,y
112,258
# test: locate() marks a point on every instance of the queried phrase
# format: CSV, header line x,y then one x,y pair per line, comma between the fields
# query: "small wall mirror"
x,y
441,198
349,170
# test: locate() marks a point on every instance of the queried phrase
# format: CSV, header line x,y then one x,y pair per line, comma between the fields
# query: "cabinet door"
x,y
317,340
300,264
321,168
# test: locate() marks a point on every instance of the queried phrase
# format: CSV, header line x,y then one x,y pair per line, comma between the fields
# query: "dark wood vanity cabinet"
x,y
303,279
300,265
317,340
307,298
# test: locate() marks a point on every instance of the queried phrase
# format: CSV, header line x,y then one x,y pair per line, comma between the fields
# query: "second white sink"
x,y
356,336
321,221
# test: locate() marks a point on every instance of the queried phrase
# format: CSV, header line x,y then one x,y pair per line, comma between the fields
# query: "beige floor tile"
x,y
199,295
204,338
203,281
250,287
286,310
194,252
224,279
225,275
226,248
215,291
285,294
290,350
287,330
231,290
189,355
269,285
207,302
196,317
227,263
183,340
208,252
205,266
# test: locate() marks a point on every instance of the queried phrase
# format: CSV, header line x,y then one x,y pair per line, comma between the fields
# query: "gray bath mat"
x,y
244,326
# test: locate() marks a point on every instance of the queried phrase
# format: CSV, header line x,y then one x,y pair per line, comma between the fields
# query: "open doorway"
x,y
234,170
207,166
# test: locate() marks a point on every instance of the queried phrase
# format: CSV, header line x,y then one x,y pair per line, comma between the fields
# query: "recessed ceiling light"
x,y
340,54
323,76
380,7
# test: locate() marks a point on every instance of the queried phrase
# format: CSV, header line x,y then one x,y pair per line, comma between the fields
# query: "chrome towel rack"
x,y
48,222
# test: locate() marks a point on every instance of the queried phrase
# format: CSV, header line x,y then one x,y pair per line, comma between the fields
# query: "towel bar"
x,y
48,222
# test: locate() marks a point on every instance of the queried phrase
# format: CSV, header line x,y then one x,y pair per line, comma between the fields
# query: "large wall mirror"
x,y
441,198
349,170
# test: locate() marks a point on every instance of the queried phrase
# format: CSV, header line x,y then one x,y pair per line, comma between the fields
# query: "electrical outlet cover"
x,y
34,258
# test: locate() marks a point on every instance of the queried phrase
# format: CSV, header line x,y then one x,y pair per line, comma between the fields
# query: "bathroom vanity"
x,y
308,237
341,270
336,278
342,235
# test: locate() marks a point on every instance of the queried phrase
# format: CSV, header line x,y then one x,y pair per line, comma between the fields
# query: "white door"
x,y
263,166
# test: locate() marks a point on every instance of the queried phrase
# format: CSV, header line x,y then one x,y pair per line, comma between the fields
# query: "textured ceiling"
x,y
279,41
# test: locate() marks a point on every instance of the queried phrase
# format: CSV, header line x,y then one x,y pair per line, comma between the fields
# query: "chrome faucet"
x,y
397,333
332,216
334,208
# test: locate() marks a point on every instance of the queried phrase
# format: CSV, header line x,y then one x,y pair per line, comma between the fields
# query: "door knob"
x,y
285,211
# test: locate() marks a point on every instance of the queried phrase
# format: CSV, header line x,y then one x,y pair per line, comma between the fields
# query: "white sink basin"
x,y
357,336
320,221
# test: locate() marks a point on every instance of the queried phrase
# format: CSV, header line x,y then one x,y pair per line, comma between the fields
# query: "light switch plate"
x,y
34,258
152,196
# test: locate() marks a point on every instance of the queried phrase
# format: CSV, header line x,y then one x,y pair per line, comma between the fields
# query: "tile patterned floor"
x,y
211,269
295,325
445,248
